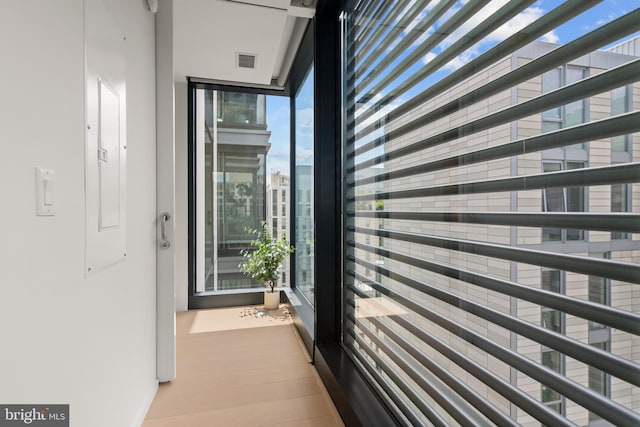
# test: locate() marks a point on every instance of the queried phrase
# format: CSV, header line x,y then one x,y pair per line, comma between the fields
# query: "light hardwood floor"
x,y
237,367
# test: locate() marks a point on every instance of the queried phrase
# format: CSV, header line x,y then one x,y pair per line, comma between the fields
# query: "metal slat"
x,y
593,85
443,32
431,414
610,32
462,389
372,21
585,397
362,14
547,23
607,315
613,126
384,44
361,51
490,24
605,361
538,410
622,222
453,406
374,77
615,270
604,175
615,30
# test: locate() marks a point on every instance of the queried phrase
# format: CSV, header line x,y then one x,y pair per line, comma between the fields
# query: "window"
x,y
491,161
599,334
620,203
274,203
237,109
567,115
552,320
304,172
230,139
572,199
552,359
598,381
620,100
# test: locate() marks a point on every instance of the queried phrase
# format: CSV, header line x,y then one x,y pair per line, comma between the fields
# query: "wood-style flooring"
x,y
241,367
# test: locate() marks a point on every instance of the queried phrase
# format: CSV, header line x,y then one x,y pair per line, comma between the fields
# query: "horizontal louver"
x,y
491,221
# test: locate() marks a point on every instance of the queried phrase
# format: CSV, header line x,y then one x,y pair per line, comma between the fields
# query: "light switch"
x,y
48,189
45,191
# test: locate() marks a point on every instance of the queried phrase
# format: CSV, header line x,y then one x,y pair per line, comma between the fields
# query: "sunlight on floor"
x,y
241,367
226,319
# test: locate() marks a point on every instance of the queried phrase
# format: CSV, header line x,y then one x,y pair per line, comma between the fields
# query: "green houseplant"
x,y
265,261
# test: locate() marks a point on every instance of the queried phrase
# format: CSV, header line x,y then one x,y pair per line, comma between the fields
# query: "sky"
x,y
278,123
600,14
278,107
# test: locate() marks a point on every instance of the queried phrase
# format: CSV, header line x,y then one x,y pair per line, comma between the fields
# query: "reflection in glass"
x,y
241,109
620,203
620,105
571,199
598,381
552,360
233,182
304,225
552,320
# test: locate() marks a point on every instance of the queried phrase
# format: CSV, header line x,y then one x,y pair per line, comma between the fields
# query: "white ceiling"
x,y
208,35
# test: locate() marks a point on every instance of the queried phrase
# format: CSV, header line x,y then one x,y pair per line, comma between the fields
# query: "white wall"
x,y
89,342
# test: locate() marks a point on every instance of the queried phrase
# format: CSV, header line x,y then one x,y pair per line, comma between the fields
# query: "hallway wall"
x,y
88,342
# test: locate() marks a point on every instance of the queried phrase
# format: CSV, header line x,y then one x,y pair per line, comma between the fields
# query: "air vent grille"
x,y
246,60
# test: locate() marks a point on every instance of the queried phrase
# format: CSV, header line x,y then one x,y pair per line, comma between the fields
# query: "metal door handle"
x,y
164,242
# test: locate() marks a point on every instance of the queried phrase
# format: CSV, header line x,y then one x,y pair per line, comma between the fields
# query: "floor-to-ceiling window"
x,y
241,146
490,266
304,196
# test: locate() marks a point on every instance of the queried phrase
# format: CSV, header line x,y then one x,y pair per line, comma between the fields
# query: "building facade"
x,y
400,249
278,215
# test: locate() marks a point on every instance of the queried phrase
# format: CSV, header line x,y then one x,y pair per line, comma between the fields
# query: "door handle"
x,y
164,242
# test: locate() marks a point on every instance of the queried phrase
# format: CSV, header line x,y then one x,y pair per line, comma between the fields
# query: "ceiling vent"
x,y
246,60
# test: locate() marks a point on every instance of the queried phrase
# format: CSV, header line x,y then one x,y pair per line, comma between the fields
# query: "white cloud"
x,y
428,58
550,37
303,154
503,32
609,18
517,23
461,59
304,118
506,30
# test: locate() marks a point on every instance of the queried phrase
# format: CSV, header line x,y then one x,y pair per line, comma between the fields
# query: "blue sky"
x,y
597,16
278,107
278,122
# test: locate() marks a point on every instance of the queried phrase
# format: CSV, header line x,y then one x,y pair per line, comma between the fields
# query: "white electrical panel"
x,y
108,157
105,140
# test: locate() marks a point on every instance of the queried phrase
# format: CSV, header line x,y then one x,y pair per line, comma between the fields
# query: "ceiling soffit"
x,y
209,36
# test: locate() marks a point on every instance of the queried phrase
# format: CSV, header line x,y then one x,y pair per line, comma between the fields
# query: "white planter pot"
x,y
271,300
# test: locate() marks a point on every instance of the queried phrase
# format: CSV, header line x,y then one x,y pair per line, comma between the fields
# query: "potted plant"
x,y
265,262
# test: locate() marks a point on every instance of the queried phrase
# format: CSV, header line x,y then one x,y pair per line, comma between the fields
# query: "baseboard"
x,y
144,409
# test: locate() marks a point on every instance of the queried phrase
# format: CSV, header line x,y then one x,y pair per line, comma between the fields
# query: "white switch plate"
x,y
45,192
